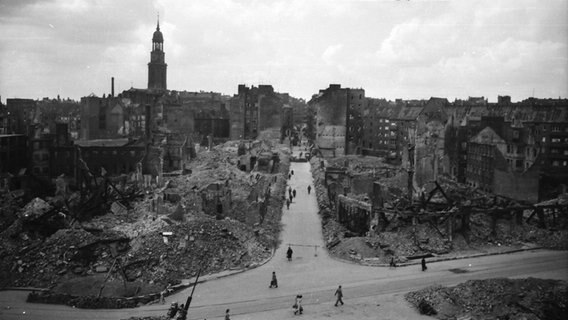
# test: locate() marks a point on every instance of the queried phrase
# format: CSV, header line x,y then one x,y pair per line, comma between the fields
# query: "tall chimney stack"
x,y
112,87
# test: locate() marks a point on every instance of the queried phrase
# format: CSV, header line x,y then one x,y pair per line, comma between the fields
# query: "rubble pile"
x,y
499,298
160,237
406,242
214,245
509,234
358,165
404,238
65,254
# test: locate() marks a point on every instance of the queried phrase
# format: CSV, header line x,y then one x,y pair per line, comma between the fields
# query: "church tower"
x,y
157,66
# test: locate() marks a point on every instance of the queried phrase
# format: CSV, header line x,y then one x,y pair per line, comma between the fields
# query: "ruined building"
x,y
21,114
255,109
338,120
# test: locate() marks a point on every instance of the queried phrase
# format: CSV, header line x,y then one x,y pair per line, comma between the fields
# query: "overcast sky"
x,y
392,49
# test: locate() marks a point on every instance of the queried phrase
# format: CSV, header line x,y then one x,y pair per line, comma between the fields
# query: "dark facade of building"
x,y
255,109
101,118
13,152
380,130
489,170
21,115
96,157
3,119
40,146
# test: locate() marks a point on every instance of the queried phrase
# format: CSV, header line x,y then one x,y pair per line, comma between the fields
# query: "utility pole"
x,y
183,312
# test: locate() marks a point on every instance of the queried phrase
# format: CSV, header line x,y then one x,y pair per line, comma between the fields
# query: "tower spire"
x,y
157,66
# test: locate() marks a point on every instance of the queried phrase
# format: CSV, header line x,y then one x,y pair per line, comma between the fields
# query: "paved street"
x,y
315,275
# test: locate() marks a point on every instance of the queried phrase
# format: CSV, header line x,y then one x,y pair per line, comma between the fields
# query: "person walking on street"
x,y
294,193
273,282
227,315
298,305
292,172
424,267
162,299
392,263
309,189
289,253
288,204
182,313
339,294
173,310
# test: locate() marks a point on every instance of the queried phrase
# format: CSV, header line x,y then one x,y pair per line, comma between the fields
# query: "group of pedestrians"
x,y
177,310
297,306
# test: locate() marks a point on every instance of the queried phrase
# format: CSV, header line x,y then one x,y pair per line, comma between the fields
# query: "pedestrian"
x,y
292,172
301,153
182,313
309,189
288,204
273,282
289,253
289,176
392,263
227,315
290,193
294,193
298,305
173,310
162,299
339,294
424,267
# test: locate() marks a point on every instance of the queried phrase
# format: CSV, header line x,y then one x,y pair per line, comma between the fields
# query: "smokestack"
x,y
112,87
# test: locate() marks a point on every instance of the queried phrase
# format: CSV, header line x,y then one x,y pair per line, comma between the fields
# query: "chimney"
x,y
112,87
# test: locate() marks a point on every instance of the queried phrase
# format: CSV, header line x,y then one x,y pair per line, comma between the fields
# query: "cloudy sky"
x,y
392,49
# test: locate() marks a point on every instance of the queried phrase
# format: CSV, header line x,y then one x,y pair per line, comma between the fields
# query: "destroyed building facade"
x,y
338,120
255,109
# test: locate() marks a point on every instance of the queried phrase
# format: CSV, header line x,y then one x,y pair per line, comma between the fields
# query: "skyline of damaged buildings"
x,y
514,149
137,132
517,150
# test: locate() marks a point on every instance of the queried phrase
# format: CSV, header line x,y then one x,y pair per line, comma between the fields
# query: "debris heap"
x,y
494,299
151,235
